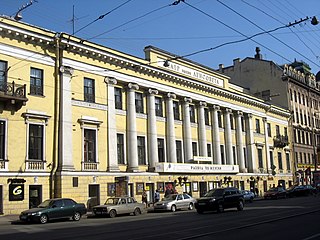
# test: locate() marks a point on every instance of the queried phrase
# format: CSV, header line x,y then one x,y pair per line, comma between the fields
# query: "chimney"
x,y
236,61
221,66
258,55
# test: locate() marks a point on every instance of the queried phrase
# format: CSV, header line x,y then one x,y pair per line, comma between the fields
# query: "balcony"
x,y
90,166
35,165
280,141
13,94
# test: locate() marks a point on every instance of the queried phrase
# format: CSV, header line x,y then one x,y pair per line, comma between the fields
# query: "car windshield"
x,y
170,197
45,204
112,201
214,193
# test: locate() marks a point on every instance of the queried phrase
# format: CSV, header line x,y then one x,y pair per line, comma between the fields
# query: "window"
x,y
220,119
260,159
280,160
222,154
139,102
269,129
158,106
209,153
160,150
234,153
295,95
141,150
2,139
36,81
231,121
179,151
192,114
206,116
277,130
194,149
258,126
243,125
35,142
120,148
89,93
89,145
271,158
118,98
288,161
3,75
176,112
245,157
285,131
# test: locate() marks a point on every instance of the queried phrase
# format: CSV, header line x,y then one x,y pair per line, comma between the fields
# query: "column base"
x,y
243,170
113,169
66,168
133,169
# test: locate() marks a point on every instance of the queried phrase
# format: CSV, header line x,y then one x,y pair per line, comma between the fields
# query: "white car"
x,y
174,202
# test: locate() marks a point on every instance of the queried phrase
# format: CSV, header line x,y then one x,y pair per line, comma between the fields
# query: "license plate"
x,y
23,217
98,212
202,203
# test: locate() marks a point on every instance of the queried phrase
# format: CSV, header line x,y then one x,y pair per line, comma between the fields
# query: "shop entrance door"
x,y
203,188
35,195
1,199
150,192
94,196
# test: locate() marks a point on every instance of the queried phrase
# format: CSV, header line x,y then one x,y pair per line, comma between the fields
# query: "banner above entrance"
x,y
196,168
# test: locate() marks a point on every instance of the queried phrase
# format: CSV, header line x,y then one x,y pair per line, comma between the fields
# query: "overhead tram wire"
x,y
101,16
267,32
306,45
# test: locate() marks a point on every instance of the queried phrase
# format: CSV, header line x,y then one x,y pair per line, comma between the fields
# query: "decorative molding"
x,y
89,105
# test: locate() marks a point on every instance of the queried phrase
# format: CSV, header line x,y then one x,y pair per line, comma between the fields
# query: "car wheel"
x,y
199,211
76,216
173,208
112,213
190,206
240,206
220,208
43,219
137,212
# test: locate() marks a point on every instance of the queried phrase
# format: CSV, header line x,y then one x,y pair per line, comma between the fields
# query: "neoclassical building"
x,y
85,121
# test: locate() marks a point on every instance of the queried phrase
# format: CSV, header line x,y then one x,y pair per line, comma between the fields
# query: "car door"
x,y
56,209
122,207
180,201
69,207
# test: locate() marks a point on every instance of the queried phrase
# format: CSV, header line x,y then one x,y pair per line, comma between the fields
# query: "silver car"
x,y
119,205
174,202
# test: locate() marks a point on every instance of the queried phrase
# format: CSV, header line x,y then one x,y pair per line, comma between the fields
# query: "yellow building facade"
x,y
84,121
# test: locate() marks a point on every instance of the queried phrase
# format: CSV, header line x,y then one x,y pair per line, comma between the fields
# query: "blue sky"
x,y
186,28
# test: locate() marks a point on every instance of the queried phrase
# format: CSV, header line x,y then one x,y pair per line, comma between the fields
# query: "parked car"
x,y
54,209
300,190
275,193
219,199
174,202
119,205
248,195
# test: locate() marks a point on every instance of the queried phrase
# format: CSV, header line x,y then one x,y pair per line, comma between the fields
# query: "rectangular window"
x,y
89,145
285,131
158,106
271,159
118,98
141,150
220,119
192,114
277,130
280,160
223,161
206,116
245,157
120,148
260,159
179,151
209,153
36,81
258,126
2,139
234,153
161,150
3,75
194,149
269,129
288,161
35,142
139,102
89,93
243,125
176,112
231,121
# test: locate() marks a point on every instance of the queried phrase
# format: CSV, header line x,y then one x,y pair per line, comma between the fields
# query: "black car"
x,y
54,209
300,190
219,199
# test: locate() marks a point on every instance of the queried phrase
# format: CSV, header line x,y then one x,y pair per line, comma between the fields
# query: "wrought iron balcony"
x,y
13,94
280,141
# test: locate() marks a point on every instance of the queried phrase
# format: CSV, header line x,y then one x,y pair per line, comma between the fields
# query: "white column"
x,y
187,141
268,164
171,136
152,130
252,165
228,136
202,130
133,164
240,153
112,131
66,146
215,135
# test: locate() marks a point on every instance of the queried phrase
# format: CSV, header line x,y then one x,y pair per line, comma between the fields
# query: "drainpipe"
x,y
55,152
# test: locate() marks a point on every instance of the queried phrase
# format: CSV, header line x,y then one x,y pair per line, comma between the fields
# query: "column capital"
x,y
187,100
66,70
171,95
215,107
264,119
203,104
249,115
228,110
152,91
133,86
239,113
110,80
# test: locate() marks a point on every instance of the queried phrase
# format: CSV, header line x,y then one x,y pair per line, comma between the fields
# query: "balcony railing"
x,y
13,93
280,141
35,165
90,166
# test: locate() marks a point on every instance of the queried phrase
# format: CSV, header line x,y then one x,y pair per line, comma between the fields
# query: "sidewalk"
x,y
8,219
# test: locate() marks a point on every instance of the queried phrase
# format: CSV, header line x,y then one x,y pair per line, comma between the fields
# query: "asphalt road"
x,y
293,218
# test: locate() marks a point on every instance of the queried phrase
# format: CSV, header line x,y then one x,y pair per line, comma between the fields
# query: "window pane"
x,y
120,148
35,142
36,81
2,139
141,151
89,145
89,93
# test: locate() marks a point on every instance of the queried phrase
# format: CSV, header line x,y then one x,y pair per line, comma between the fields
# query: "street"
x,y
291,218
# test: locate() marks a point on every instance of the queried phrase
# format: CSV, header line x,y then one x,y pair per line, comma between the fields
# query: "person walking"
x,y
145,198
156,196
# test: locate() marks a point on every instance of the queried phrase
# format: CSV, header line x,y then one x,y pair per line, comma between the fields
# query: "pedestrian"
x,y
167,192
145,198
156,196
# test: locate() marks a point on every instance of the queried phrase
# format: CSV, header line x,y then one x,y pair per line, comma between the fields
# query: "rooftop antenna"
x,y
18,15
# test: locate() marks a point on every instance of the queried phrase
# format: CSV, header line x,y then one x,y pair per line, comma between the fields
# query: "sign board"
x,y
16,192
196,168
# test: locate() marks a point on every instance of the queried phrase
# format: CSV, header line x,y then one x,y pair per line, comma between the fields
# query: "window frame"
x,y
141,150
95,130
42,142
176,110
121,149
3,75
36,89
158,106
118,100
161,150
3,140
87,95
179,155
139,102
